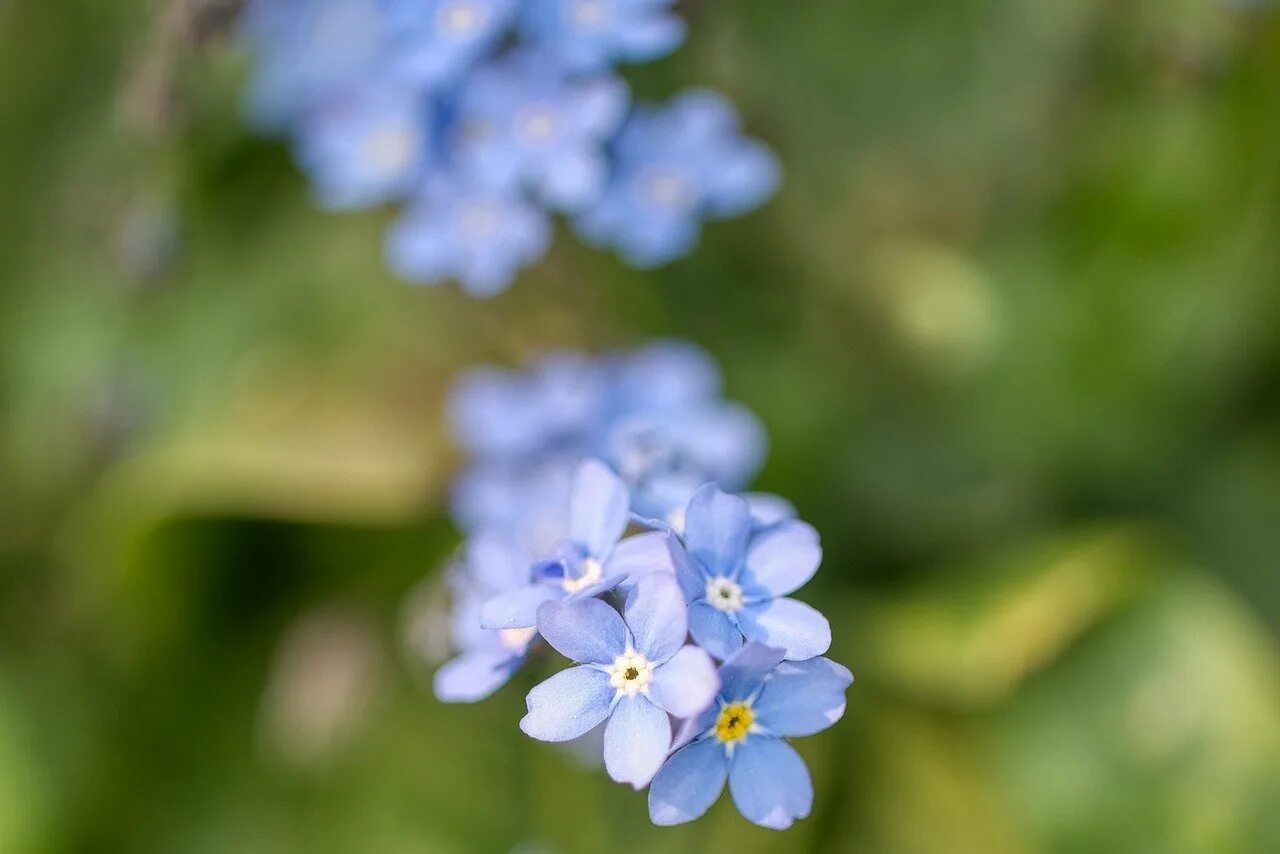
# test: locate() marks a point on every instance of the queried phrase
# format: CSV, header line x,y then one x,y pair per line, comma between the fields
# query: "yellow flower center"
x,y
630,673
592,572
734,722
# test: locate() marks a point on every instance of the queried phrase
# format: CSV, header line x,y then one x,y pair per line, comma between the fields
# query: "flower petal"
x,y
656,614
768,509
636,741
688,784
516,609
743,674
568,704
640,555
693,583
716,527
587,630
787,623
474,675
714,630
496,563
598,507
783,558
803,697
687,684
770,783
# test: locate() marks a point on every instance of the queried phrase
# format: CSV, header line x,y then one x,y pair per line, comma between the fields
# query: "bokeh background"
x,y
1013,324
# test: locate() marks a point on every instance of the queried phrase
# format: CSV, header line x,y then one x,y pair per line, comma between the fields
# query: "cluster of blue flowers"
x,y
602,523
485,116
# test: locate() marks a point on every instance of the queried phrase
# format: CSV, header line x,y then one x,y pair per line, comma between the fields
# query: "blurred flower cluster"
x,y
568,457
485,117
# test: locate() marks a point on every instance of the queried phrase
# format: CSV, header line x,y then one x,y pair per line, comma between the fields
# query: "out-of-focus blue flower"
x,y
433,42
522,123
741,738
675,166
479,236
591,35
736,578
486,659
365,147
633,671
589,560
306,50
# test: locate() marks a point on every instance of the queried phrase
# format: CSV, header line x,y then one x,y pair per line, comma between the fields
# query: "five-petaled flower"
x,y
633,671
736,576
762,701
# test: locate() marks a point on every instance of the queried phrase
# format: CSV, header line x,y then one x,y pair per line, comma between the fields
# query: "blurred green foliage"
x,y
1013,323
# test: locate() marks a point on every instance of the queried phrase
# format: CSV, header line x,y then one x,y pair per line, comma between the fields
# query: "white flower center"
x,y
461,18
391,149
669,189
516,639
538,124
478,221
630,673
588,14
592,571
724,594
676,519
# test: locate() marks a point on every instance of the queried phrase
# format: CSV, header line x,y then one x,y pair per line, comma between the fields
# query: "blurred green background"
x,y
1013,324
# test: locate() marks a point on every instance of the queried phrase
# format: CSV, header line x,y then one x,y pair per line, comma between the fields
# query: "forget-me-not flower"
x,y
675,166
591,559
591,35
633,671
433,42
762,701
736,577
479,236
520,122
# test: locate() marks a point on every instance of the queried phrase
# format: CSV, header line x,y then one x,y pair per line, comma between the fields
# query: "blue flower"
x,y
479,236
675,166
633,671
486,658
521,122
763,700
433,42
736,577
589,560
590,35
365,147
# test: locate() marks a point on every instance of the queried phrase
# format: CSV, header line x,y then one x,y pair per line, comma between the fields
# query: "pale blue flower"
x,y
736,576
741,738
673,167
633,671
591,35
434,42
479,236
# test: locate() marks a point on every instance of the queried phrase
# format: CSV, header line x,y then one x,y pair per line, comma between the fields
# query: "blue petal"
x,y
688,784
687,684
496,563
639,556
743,674
568,704
656,614
770,783
803,697
716,527
714,630
517,609
587,630
474,675
636,740
783,558
651,38
768,509
787,623
597,508
692,581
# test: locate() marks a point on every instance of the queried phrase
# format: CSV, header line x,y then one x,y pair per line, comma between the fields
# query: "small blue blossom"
x,y
675,166
433,42
591,35
365,147
591,559
763,700
478,236
633,671
486,659
522,123
736,577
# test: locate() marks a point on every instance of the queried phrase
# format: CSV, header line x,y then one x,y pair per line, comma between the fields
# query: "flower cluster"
x,y
485,116
602,522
